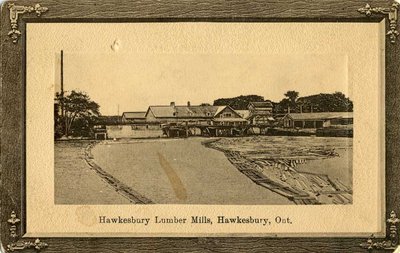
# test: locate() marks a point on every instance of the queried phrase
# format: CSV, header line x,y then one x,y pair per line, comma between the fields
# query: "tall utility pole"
x,y
63,113
62,83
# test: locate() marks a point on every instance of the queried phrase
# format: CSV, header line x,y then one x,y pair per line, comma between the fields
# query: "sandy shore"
x,y
175,171
251,170
74,181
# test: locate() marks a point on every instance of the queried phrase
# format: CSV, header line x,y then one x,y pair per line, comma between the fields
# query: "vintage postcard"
x,y
197,125
186,129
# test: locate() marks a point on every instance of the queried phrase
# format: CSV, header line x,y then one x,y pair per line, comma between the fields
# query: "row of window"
x,y
316,123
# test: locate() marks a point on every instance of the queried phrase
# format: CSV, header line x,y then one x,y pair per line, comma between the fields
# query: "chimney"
x,y
188,103
172,104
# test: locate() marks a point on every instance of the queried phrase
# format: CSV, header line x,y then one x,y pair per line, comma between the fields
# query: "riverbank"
x,y
74,181
180,171
249,170
124,190
307,170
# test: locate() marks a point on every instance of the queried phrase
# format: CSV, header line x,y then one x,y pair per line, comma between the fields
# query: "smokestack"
x,y
172,104
188,103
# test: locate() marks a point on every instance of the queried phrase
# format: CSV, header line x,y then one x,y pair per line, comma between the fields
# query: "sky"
x,y
132,82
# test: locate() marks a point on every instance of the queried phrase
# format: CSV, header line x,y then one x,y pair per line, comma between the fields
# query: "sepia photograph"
x,y
218,129
169,126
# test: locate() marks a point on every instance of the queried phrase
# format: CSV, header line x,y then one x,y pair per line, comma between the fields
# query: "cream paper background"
x,y
362,43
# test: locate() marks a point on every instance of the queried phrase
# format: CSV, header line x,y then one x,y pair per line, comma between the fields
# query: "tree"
x,y
240,102
79,113
282,106
324,102
289,102
292,96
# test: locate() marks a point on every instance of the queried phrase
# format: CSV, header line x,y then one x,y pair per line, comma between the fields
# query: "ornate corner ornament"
x,y
391,11
389,244
20,245
15,11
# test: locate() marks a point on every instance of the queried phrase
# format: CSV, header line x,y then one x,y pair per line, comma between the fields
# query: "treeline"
x,y
240,102
323,102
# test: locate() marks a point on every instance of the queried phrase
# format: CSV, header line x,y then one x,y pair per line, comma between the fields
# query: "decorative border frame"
x,y
15,12
15,15
392,13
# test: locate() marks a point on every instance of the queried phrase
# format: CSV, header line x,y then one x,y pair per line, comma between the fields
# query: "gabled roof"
x,y
219,110
223,108
134,115
183,111
320,115
161,111
265,104
197,111
243,113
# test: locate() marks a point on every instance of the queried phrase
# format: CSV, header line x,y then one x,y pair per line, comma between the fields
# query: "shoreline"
x,y
122,189
269,170
211,181
306,187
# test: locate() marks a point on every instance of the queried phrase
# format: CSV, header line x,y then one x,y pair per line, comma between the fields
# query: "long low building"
x,y
317,120
195,114
185,120
134,117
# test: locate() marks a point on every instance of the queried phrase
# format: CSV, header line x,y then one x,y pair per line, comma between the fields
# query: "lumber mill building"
x,y
207,120
317,119
333,124
189,120
260,113
133,117
178,121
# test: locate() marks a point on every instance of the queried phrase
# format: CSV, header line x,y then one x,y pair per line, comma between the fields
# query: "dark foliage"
x,y
335,102
323,102
80,113
240,102
108,120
